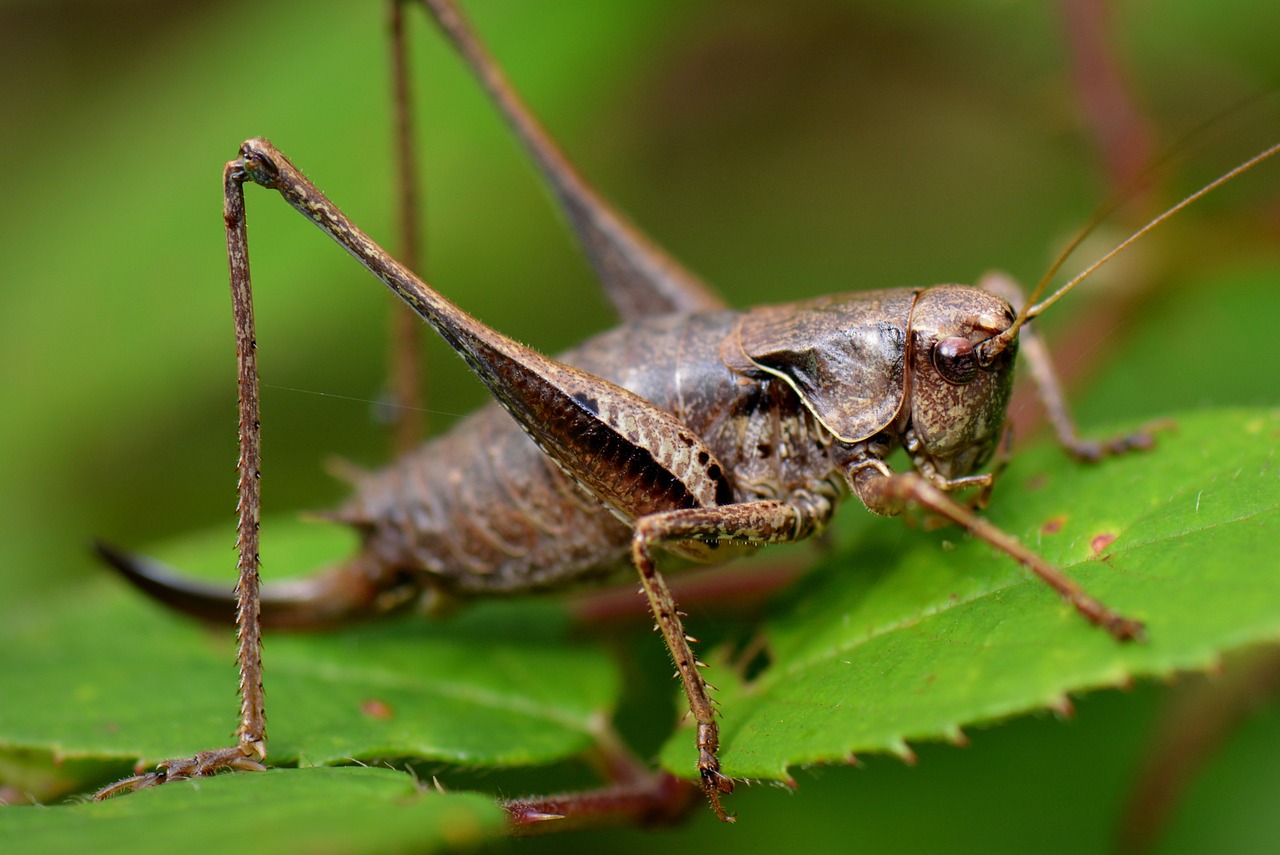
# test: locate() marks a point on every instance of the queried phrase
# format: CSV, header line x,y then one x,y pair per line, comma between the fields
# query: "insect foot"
x,y
714,784
201,765
1143,439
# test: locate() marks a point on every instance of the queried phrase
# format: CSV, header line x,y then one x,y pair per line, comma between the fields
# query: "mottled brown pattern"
x,y
959,426
844,354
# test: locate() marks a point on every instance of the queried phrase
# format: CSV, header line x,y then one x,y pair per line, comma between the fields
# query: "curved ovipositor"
x,y
339,595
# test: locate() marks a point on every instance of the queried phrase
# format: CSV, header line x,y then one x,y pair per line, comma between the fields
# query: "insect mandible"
x,y
692,429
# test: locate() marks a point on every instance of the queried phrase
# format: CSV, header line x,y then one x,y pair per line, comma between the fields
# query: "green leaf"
x,y
498,686
908,635
381,811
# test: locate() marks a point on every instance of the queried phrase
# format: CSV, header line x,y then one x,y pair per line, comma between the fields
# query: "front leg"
x,y
752,523
887,492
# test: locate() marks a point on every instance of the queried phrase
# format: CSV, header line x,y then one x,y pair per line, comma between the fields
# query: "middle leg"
x,y
804,514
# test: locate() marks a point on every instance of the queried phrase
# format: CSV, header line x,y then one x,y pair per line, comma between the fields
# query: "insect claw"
x,y
128,785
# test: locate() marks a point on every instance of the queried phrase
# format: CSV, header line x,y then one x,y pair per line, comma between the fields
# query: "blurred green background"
x,y
781,150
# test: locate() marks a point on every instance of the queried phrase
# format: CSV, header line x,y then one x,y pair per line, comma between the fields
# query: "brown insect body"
x,y
769,390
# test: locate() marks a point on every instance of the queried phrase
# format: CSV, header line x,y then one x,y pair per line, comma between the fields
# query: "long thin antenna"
x,y
993,347
1213,185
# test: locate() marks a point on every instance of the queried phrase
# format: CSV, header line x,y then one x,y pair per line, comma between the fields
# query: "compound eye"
x,y
955,360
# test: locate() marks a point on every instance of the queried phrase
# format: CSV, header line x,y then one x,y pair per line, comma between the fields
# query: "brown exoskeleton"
x,y
691,428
